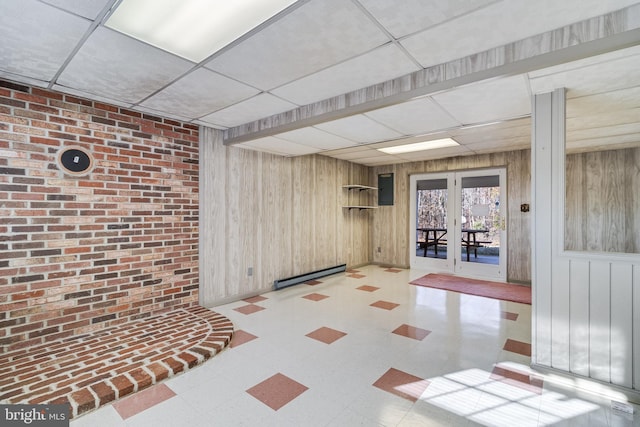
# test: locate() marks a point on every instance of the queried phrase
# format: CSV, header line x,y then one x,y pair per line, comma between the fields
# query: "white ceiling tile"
x,y
199,93
604,143
316,35
604,102
115,66
419,116
606,131
274,145
359,128
316,138
249,110
379,65
86,8
92,96
487,101
591,79
501,23
36,39
496,145
408,16
162,113
437,153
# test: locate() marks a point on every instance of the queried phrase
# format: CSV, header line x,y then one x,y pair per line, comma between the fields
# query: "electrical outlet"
x,y
250,271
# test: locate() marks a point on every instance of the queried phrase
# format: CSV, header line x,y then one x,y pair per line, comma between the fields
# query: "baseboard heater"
x,y
301,278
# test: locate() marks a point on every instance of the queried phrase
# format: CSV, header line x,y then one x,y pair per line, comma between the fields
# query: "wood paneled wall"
x,y
602,201
278,216
391,223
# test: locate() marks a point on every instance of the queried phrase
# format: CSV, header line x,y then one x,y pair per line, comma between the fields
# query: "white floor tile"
x,y
466,342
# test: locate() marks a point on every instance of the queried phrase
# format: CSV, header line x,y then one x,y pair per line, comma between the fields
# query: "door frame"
x,y
454,262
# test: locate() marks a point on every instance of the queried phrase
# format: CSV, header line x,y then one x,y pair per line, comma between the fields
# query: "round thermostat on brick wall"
x,y
75,161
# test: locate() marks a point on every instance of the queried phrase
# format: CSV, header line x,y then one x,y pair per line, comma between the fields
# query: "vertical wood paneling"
x,y
602,197
600,320
560,309
622,325
579,317
278,216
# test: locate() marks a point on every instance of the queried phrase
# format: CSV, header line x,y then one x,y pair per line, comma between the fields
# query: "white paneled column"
x,y
547,152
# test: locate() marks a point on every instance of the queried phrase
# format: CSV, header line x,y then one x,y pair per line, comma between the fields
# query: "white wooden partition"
x,y
585,304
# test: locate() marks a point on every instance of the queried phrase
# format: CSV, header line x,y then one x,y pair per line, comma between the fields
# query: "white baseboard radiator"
x,y
301,278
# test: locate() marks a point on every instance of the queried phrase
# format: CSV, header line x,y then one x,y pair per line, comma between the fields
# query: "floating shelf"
x,y
359,188
360,207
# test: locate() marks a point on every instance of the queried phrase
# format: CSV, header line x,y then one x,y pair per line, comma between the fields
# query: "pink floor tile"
x,y
351,270
367,288
241,337
411,332
402,384
356,276
315,297
277,391
142,400
509,316
519,347
326,335
393,270
249,309
312,282
255,299
386,305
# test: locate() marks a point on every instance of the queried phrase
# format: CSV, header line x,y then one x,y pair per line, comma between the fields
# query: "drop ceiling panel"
x,y
316,138
86,8
589,80
497,145
605,131
255,108
409,16
437,153
278,146
382,64
603,143
414,117
604,102
316,35
487,101
500,23
604,119
36,39
359,128
359,153
199,93
112,65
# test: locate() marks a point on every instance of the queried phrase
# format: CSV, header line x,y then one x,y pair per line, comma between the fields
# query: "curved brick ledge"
x,y
94,369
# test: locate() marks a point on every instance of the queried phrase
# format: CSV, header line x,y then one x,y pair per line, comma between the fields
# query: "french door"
x,y
459,223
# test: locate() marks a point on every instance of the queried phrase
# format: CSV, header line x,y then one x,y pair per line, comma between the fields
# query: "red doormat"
x,y
483,288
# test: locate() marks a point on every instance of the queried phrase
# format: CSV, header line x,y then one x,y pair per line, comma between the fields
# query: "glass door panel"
x,y
482,223
431,203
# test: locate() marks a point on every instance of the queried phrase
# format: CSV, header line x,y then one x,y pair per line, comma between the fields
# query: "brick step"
x,y
91,370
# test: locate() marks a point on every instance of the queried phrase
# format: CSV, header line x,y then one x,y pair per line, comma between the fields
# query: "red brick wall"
x,y
82,253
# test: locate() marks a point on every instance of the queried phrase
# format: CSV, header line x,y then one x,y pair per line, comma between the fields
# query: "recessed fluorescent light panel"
x,y
420,146
192,29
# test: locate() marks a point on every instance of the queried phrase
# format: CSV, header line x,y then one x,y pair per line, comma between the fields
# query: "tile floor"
x,y
366,349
